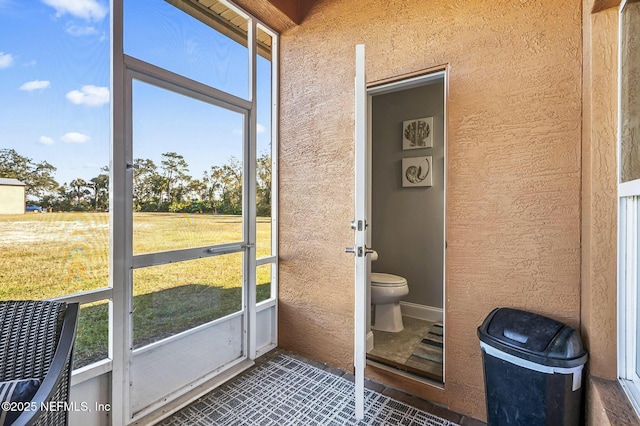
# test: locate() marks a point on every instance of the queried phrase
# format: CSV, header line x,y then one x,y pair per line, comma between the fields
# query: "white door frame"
x,y
363,171
239,325
359,225
122,260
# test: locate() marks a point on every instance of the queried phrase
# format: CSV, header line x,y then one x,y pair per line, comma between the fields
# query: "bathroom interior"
x,y
407,228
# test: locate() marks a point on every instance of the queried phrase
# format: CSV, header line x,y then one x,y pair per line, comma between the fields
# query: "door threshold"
x,y
405,371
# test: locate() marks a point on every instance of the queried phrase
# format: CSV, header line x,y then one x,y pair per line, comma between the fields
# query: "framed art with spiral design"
x,y
417,171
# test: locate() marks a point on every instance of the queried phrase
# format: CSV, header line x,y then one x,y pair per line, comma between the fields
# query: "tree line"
x,y
164,187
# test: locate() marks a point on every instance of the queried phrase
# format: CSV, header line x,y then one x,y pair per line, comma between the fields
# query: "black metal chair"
x,y
36,341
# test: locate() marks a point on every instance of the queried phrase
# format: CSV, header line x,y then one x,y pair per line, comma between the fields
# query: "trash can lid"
x,y
533,337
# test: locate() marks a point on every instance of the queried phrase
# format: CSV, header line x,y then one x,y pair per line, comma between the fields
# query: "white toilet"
x,y
386,292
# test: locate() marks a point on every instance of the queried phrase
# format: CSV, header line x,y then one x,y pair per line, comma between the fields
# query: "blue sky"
x,y
54,85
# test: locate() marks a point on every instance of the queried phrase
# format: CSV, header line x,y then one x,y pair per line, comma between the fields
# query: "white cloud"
x,y
89,95
89,10
80,31
31,63
30,86
46,140
6,60
75,137
260,128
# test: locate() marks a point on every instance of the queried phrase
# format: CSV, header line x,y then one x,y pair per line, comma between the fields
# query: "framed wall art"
x,y
417,133
417,171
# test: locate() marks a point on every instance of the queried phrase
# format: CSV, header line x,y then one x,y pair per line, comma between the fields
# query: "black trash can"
x,y
532,369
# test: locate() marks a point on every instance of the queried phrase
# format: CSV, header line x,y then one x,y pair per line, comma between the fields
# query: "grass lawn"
x,y
53,254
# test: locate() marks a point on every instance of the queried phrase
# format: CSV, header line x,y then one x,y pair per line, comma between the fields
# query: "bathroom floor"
x,y
416,349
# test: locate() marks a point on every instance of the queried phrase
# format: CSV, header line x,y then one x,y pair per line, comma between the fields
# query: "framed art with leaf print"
x,y
417,133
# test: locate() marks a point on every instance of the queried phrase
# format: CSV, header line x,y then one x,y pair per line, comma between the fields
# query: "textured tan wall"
x,y
630,100
599,189
514,165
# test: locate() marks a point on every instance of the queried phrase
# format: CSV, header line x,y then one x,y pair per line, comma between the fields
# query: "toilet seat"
x,y
380,279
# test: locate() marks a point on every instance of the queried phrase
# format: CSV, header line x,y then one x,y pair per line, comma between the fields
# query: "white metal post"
x,y
120,222
250,214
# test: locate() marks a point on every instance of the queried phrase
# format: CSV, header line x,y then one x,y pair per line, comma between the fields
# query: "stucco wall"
x,y
630,100
514,163
599,189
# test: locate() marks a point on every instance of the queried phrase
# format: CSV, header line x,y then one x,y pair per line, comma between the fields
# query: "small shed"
x,y
12,196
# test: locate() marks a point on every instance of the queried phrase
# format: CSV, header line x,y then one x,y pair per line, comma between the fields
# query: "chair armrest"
x,y
60,369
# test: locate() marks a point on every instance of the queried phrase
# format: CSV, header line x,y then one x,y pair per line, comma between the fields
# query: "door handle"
x,y
355,250
359,225
359,251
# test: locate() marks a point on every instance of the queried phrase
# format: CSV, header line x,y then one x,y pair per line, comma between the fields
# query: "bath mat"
x,y
288,392
428,354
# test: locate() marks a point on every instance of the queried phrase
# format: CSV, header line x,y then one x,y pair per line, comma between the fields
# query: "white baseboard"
x,y
427,313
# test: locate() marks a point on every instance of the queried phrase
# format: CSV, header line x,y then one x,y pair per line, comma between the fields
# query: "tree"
x,y
227,180
147,185
79,190
211,188
100,187
165,188
63,199
38,177
197,190
175,170
263,185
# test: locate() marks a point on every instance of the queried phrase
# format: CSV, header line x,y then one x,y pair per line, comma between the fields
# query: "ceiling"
x,y
226,21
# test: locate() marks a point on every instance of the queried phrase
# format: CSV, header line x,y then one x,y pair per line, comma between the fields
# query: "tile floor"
x,y
411,410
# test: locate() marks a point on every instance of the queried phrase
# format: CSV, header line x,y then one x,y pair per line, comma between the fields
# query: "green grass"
x,y
49,255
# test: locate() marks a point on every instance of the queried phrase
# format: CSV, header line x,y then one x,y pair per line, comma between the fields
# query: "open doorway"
x,y
407,209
